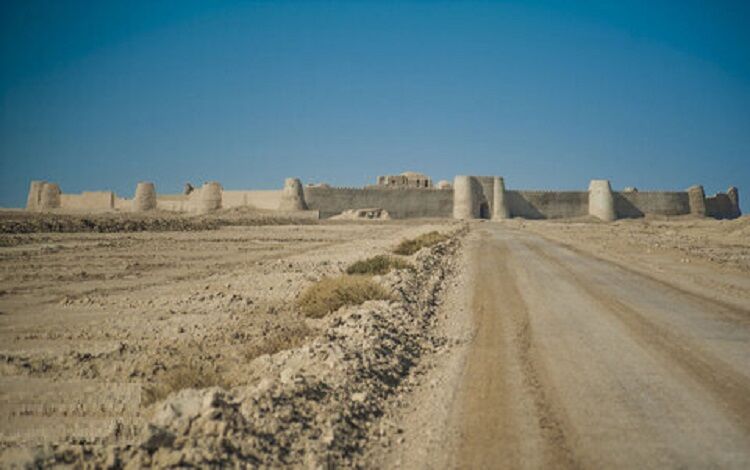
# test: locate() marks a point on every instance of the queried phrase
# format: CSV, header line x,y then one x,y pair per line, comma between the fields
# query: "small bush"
x,y
409,247
380,264
282,339
330,294
190,375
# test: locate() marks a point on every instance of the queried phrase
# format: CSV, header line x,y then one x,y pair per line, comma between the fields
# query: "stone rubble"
x,y
319,405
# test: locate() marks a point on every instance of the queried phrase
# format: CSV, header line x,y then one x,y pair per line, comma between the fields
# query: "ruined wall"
x,y
471,197
262,200
719,206
563,204
50,196
697,200
400,203
34,199
173,202
547,204
268,200
88,200
637,204
724,205
122,203
567,204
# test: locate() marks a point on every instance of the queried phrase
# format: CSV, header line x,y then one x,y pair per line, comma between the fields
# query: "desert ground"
x,y
168,341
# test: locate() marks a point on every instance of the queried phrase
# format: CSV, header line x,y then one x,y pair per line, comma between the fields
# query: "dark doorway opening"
x,y
484,211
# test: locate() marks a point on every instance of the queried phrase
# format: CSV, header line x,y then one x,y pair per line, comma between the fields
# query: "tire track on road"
x,y
727,310
503,372
728,387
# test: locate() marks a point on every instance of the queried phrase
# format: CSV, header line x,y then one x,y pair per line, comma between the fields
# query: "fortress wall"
x,y
547,204
486,202
122,204
467,197
268,200
263,199
34,199
637,204
499,204
718,206
400,203
173,206
602,200
88,200
173,202
721,206
292,196
208,198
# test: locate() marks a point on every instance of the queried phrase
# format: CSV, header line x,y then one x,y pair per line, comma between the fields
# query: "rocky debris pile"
x,y
318,404
363,214
28,222
252,217
104,223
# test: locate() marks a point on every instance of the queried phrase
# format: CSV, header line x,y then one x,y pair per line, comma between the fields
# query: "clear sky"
x,y
99,95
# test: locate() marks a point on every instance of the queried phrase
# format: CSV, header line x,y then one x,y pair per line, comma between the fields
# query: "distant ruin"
x,y
408,179
409,195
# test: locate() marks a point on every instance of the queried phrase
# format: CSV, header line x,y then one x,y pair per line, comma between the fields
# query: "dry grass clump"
x,y
331,293
380,264
409,247
190,375
282,339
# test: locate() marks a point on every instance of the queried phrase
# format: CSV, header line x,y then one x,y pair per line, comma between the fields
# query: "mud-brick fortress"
x,y
408,195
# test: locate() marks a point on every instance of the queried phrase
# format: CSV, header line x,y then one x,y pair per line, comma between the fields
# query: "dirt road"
x,y
580,362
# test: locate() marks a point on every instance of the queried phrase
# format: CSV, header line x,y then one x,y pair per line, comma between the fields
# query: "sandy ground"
x,y
593,345
89,321
523,344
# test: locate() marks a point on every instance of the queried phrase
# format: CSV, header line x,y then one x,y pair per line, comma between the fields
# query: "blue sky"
x,y
100,95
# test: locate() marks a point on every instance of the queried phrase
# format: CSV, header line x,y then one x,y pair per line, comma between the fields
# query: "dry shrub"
x,y
282,339
331,293
380,264
190,375
409,247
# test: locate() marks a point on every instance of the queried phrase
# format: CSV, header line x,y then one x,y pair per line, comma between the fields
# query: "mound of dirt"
x,y
28,222
363,214
318,404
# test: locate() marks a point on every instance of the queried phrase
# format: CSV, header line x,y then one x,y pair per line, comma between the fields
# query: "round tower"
x,y
209,198
50,196
292,196
697,200
465,198
499,204
601,200
35,195
734,196
145,197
